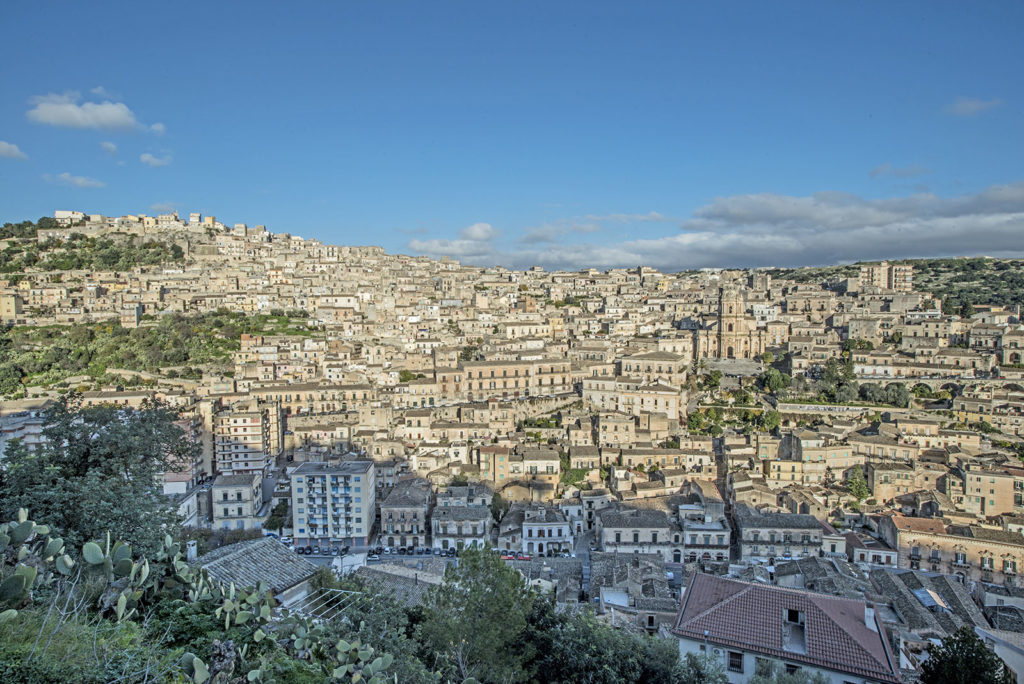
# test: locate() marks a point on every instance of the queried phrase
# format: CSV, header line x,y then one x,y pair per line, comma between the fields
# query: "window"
x,y
735,661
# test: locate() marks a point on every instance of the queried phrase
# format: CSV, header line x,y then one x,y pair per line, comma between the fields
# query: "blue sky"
x,y
568,134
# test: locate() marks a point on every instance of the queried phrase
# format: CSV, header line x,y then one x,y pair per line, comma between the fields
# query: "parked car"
x,y
300,550
401,550
450,553
346,548
373,557
411,551
507,556
334,551
387,550
438,552
316,550
286,540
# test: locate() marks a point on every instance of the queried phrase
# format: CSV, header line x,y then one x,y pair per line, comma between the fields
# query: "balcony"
x,y
961,563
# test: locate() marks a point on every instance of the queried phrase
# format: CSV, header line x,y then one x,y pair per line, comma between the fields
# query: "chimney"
x,y
190,550
869,617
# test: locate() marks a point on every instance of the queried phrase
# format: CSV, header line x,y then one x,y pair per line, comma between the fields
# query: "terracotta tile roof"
x,y
751,616
929,525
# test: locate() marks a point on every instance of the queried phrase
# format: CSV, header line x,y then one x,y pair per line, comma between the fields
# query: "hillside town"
x,y
677,450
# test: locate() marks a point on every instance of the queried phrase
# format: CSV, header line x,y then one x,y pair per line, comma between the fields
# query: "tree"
x,y
871,391
499,507
699,669
99,471
714,379
963,658
856,485
578,648
774,381
695,421
854,344
897,394
475,621
278,516
767,672
846,393
767,358
770,420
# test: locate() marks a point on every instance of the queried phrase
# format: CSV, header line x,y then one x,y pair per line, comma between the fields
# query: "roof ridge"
x,y
853,639
720,604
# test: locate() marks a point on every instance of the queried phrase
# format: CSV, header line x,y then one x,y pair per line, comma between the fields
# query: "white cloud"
x,y
108,147
970,106
73,181
147,158
64,110
163,207
11,151
100,91
479,231
67,109
475,242
779,230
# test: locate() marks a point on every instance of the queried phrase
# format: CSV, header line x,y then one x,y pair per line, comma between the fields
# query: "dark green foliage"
x,y
774,381
770,420
26,229
97,473
80,252
713,380
279,517
579,648
857,485
475,621
15,670
963,658
45,355
857,345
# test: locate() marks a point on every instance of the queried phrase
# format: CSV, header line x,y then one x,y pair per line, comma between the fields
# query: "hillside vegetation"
x,y
47,355
957,281
109,253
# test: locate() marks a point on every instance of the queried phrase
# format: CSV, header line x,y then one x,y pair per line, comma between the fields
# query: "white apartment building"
x,y
244,438
237,501
333,505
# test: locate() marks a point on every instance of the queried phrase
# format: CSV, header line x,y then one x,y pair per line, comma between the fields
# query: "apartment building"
x,y
969,552
237,502
886,276
403,514
765,537
244,437
333,505
459,527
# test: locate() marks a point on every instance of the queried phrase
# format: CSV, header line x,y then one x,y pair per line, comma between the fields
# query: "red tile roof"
x,y
751,616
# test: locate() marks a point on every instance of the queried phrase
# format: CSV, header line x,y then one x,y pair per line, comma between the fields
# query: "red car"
x,y
507,556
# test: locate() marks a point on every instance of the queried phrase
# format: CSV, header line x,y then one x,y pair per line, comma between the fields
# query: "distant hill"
x,y
973,280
